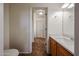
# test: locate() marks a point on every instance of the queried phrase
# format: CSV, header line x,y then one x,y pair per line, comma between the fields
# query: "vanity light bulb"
x,y
65,5
71,5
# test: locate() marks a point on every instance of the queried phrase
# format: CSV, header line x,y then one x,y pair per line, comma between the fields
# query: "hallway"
x,y
38,47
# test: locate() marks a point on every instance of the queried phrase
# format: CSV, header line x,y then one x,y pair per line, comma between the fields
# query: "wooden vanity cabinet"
x,y
53,47
61,51
58,50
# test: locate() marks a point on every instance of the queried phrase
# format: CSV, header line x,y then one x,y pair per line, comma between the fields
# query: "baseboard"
x,y
25,52
39,38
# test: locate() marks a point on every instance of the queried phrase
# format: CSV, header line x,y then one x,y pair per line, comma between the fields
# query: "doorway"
x,y
39,16
40,22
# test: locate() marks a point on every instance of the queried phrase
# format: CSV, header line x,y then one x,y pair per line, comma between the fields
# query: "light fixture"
x,y
71,5
40,13
65,5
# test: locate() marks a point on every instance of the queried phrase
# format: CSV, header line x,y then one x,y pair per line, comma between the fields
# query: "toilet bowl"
x,y
11,52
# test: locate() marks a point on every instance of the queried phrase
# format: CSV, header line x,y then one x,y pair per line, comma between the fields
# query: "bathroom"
x,y
19,30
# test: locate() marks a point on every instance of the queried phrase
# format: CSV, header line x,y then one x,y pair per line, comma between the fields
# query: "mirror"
x,y
68,22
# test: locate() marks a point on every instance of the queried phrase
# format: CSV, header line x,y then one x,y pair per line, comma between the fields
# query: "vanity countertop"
x,y
68,44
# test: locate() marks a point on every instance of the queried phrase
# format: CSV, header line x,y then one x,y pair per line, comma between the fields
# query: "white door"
x,y
40,22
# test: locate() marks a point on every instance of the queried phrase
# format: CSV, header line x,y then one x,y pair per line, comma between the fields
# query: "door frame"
x,y
47,36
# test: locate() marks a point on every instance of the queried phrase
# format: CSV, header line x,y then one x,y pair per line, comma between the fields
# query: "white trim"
x,y
32,26
31,37
47,32
1,29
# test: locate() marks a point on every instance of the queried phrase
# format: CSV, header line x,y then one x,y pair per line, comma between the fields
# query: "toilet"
x,y
11,52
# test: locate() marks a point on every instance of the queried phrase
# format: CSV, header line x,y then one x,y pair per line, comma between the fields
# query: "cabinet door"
x,y
61,51
52,47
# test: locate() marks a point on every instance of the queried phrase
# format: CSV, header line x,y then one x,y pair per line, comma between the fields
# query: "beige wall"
x,y
20,27
6,26
55,21
1,29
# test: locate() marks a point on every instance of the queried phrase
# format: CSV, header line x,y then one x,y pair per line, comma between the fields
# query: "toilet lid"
x,y
11,52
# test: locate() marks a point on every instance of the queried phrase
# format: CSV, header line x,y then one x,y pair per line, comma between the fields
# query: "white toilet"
x,y
11,52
